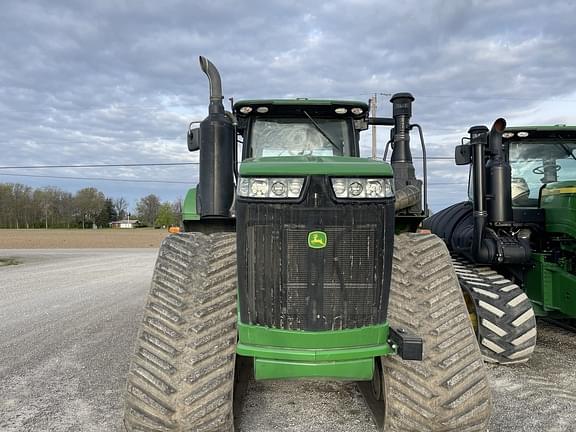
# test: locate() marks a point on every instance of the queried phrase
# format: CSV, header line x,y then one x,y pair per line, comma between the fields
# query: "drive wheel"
x,y
505,321
448,390
182,371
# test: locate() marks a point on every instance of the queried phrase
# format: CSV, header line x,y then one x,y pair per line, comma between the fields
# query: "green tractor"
x,y
514,242
304,263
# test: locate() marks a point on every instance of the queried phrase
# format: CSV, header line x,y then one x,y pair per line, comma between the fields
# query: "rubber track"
x,y
181,376
448,390
506,322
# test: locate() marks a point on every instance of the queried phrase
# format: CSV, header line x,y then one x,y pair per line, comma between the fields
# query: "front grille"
x,y
334,285
285,284
349,255
339,308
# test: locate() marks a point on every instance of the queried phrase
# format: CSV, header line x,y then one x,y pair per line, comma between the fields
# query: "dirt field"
x,y
79,239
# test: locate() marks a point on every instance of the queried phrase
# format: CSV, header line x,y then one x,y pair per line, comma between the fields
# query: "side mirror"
x,y
193,139
463,154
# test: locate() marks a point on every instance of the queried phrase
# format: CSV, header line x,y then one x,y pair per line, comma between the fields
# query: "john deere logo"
x,y
317,239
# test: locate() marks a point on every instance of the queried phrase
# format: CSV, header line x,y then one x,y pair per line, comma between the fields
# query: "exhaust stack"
x,y
499,176
215,83
217,149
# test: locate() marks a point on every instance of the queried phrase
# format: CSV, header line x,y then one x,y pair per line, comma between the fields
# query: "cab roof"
x,y
554,132
313,107
549,128
300,101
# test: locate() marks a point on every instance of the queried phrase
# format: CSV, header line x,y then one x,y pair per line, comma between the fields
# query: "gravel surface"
x,y
539,395
68,319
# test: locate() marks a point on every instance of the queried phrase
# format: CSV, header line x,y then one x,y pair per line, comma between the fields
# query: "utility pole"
x,y
373,107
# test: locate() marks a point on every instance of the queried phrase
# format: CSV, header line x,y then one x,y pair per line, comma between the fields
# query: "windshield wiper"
x,y
324,134
565,148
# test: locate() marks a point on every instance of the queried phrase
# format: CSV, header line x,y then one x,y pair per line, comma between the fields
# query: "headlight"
x,y
363,187
259,188
273,187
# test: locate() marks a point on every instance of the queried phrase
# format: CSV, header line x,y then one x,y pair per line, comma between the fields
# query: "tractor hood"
x,y
314,165
559,202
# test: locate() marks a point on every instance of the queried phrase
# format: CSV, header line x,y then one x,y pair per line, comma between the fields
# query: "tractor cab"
x,y
539,157
300,127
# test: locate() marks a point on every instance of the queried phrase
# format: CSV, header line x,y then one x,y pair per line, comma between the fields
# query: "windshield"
x,y
539,162
300,136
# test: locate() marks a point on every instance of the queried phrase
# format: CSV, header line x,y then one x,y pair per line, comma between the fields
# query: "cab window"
x,y
535,163
299,137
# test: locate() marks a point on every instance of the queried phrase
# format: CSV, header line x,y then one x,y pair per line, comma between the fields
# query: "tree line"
x,y
22,206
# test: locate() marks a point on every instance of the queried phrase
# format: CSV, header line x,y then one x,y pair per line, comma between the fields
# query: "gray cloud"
x,y
117,81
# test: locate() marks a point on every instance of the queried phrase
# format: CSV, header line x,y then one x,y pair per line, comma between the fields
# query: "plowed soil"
x,y
80,239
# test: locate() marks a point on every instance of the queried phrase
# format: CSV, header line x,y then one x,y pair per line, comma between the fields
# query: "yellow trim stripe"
x,y
564,190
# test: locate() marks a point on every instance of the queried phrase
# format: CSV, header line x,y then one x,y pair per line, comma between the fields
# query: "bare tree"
x,y
177,211
6,205
121,207
43,205
22,204
89,202
10,205
147,209
66,208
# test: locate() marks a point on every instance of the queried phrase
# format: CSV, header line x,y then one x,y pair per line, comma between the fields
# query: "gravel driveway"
x,y
68,318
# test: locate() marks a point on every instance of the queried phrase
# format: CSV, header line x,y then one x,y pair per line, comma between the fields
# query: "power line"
x,y
161,181
99,165
431,158
96,178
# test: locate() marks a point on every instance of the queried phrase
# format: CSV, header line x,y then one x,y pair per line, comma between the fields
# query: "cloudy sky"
x,y
116,82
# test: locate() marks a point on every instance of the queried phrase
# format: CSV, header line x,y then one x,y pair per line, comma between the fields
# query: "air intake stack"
x,y
408,187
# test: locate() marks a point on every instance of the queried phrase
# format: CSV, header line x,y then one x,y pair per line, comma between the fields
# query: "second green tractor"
x,y
514,241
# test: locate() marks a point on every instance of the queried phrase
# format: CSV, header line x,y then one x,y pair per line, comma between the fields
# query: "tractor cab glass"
x,y
274,136
535,163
